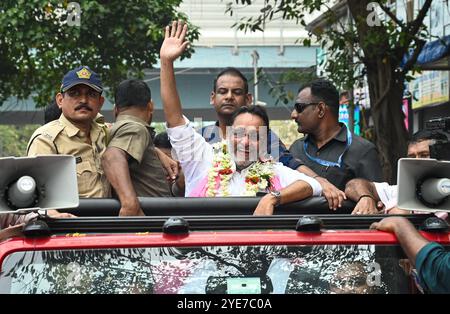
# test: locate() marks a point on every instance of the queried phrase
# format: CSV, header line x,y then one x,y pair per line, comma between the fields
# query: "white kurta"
x,y
387,194
196,156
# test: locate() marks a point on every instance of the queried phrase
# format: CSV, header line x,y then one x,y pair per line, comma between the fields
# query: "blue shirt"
x,y
275,146
433,268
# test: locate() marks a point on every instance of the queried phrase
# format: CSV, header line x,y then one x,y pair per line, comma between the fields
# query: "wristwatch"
x,y
277,195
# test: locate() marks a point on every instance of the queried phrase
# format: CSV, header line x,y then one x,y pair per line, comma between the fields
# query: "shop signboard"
x,y
429,88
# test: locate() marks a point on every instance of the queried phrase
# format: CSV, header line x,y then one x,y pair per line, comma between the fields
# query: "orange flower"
x,y
253,180
225,171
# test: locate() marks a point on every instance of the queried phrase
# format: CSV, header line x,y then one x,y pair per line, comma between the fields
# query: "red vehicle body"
x,y
209,254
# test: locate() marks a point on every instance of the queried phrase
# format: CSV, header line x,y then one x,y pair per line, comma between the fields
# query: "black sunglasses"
x,y
299,106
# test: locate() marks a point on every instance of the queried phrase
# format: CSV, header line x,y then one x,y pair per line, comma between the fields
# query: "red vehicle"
x,y
210,250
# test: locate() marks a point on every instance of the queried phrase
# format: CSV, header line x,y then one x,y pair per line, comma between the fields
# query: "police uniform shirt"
x,y
62,137
133,135
360,160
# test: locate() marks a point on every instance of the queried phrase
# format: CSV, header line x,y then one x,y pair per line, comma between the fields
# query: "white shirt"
x,y
387,194
196,156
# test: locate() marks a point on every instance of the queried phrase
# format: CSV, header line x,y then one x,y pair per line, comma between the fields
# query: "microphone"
x,y
22,193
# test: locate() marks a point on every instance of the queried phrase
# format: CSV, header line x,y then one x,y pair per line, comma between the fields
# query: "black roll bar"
x,y
181,206
208,223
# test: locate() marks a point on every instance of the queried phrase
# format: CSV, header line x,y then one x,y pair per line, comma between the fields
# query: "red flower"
x,y
253,180
225,171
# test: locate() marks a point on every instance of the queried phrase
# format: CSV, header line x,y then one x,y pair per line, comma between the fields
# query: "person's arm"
x,y
370,166
12,231
409,238
171,166
296,191
173,46
115,165
365,194
433,268
190,148
179,186
294,186
334,196
430,259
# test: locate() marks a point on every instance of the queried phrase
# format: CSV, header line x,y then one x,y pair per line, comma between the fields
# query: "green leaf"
x,y
37,46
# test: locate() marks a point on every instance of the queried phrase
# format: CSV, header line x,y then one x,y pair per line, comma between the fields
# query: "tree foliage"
x,y
371,46
277,86
346,49
14,139
115,38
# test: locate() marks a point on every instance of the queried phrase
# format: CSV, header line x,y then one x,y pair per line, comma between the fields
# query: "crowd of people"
x,y
237,156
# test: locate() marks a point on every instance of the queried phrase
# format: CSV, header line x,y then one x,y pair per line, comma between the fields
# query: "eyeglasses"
x,y
299,106
241,133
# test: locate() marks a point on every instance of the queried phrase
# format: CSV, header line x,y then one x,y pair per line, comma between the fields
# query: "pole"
x,y
255,57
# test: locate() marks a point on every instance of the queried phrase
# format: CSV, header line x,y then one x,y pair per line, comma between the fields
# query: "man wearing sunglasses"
x,y
329,148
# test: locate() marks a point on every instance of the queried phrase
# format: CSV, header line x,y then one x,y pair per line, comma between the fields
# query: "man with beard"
x,y
232,168
76,132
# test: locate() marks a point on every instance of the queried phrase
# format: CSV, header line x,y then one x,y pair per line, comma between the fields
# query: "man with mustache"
x,y
329,148
76,132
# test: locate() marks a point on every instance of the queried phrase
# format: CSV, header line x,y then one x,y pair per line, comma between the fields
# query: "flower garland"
x,y
222,170
258,178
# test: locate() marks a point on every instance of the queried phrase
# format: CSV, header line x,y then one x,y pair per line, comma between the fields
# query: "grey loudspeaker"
x,y
418,188
41,182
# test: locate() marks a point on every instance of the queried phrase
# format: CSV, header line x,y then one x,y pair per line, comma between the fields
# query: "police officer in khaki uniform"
x,y
131,162
76,132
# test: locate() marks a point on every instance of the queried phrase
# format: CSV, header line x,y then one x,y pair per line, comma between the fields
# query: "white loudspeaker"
x,y
424,184
41,182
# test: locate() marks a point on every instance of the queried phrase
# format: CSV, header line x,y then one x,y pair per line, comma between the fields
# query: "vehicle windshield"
x,y
209,269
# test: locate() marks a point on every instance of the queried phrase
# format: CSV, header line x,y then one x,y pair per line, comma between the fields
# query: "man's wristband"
x,y
366,195
277,195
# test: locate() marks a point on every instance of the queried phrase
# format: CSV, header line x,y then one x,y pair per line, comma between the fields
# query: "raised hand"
x,y
174,41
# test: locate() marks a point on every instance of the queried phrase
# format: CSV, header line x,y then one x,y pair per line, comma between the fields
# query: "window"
x,y
218,269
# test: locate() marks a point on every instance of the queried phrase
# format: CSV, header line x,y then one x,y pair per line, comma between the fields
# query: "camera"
x,y
440,128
